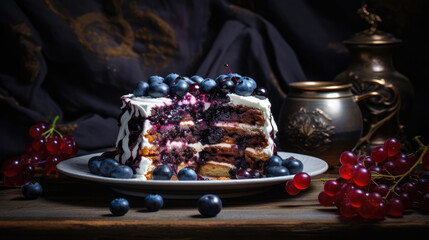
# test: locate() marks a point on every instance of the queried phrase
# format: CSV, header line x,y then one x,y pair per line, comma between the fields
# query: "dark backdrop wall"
x,y
76,58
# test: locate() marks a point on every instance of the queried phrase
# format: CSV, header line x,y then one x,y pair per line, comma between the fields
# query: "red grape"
x,y
375,199
53,145
291,189
302,180
346,171
425,161
348,157
356,197
68,145
395,207
346,209
380,211
378,154
392,146
38,144
14,181
406,200
389,167
366,161
28,172
36,130
331,187
401,166
361,176
325,200
366,210
11,167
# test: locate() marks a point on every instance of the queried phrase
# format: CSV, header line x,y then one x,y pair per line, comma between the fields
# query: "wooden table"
x,y
75,209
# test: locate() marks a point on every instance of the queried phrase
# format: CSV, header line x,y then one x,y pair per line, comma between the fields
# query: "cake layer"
x,y
200,132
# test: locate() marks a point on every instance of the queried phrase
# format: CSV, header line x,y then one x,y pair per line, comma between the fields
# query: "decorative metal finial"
x,y
370,18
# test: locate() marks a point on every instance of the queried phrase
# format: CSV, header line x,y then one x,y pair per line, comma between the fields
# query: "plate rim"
x,y
161,183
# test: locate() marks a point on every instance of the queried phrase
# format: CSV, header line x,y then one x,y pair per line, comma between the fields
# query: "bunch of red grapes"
x,y
47,148
386,183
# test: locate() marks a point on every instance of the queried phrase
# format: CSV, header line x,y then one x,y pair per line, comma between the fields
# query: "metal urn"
x,y
371,71
321,119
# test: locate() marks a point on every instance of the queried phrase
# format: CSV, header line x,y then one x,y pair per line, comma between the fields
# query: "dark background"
x,y
76,58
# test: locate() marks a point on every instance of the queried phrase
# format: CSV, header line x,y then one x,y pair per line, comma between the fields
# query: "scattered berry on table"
x,y
209,205
119,206
32,190
154,202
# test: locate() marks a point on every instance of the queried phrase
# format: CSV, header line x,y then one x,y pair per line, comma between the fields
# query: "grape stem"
x,y
402,176
52,129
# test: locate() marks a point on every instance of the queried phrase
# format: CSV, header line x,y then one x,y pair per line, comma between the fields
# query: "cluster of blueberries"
x,y
109,167
176,85
276,166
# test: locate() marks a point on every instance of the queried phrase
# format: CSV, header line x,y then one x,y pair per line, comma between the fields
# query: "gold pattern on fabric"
x,y
113,36
29,67
158,37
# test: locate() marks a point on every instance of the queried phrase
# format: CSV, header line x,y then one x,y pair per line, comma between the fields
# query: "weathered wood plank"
x,y
73,208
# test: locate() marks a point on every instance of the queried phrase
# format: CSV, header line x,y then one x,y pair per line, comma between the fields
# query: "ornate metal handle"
x,y
387,95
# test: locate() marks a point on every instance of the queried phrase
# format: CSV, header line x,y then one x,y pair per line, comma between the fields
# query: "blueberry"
x,y
274,160
179,87
171,77
94,164
244,87
209,205
251,80
260,93
154,202
232,75
119,206
187,174
293,165
107,166
221,77
141,89
197,79
158,89
153,79
162,172
122,171
32,190
276,171
226,86
208,85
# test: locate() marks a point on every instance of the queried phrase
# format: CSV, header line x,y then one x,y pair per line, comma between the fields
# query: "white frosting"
x,y
142,106
265,105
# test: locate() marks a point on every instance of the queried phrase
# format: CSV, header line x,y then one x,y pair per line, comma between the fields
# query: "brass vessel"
x,y
321,119
371,69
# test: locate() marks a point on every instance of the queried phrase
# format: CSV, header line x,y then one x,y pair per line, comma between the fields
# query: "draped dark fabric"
x,y
76,58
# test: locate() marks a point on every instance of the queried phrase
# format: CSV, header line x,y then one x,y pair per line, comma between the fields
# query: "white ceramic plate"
x,y
78,168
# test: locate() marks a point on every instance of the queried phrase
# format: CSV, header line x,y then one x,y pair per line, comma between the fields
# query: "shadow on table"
x,y
84,193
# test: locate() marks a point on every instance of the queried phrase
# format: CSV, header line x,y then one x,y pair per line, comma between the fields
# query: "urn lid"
x,y
371,37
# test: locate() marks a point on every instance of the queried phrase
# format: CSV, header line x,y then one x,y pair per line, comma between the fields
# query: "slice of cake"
x,y
215,126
